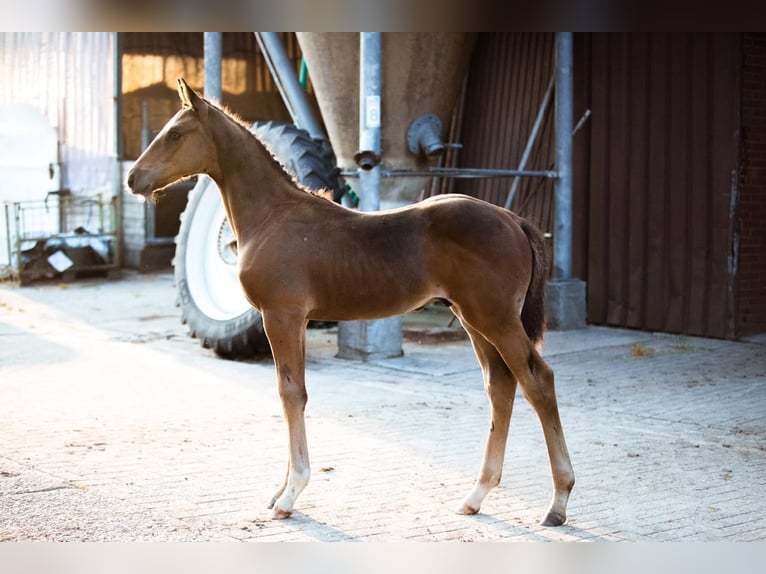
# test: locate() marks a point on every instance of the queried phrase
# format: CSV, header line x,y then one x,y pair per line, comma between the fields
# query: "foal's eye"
x,y
174,135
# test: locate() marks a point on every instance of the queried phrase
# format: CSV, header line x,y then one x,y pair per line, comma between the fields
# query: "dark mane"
x,y
291,177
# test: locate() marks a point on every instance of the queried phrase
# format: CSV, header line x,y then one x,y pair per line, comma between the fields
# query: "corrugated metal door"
x,y
507,81
663,160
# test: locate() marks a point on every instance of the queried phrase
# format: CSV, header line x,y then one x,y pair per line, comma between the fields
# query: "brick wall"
x,y
751,282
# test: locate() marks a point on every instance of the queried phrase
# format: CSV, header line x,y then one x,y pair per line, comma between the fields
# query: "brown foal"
x,y
302,257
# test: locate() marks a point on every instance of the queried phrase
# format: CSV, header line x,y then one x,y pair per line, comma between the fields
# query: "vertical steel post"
x,y
213,45
562,230
367,340
369,119
565,294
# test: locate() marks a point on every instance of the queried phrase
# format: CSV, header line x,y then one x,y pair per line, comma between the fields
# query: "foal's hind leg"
x,y
500,386
287,337
536,380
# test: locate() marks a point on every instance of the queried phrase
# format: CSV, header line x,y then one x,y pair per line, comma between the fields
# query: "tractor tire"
x,y
212,303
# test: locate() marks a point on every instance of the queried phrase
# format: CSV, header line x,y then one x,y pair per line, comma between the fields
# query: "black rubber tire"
x,y
242,336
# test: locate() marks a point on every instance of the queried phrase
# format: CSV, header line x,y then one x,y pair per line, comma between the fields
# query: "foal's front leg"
x,y
287,336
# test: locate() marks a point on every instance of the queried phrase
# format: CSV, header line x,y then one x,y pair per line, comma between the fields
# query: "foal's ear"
x,y
189,98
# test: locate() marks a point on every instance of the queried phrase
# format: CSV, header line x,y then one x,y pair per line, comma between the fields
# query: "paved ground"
x,y
114,425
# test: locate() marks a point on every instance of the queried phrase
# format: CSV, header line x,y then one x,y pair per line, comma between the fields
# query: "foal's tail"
x,y
533,311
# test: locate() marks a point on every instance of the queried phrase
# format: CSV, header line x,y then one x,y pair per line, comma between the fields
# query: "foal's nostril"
x,y
130,180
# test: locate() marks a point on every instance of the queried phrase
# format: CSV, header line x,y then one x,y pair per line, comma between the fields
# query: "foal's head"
x,y
182,149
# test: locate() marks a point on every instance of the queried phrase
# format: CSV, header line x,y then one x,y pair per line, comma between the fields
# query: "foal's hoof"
x,y
553,519
279,514
467,509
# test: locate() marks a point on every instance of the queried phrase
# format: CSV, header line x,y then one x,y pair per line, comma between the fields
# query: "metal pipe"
x,y
458,172
271,50
380,338
288,84
368,156
562,221
213,43
531,141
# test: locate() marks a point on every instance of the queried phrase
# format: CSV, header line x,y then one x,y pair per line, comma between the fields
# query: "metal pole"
x,y
565,294
288,84
562,228
459,172
367,340
369,121
213,43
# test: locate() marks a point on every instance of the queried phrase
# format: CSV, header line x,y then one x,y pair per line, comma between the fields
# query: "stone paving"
x,y
114,425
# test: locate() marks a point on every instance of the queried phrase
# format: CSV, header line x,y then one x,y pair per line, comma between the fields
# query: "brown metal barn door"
x,y
507,81
663,161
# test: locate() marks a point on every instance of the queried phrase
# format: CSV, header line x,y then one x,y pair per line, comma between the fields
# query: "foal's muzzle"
x,y
137,183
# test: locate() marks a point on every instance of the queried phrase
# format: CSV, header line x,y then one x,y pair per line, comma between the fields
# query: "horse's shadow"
x,y
320,531
517,529
299,526
305,527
